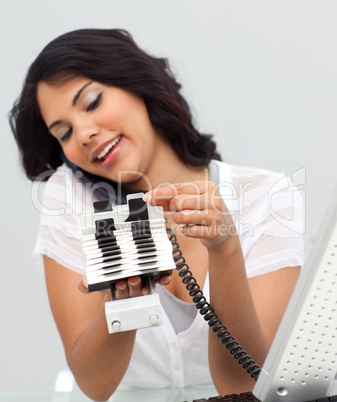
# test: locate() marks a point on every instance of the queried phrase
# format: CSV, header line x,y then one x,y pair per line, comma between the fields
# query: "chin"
x,y
134,180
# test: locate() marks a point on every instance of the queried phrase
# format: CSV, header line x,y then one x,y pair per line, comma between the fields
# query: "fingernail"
x,y
133,284
147,197
85,283
122,287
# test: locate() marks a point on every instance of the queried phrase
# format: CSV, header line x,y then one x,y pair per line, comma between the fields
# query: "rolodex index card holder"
x,y
124,241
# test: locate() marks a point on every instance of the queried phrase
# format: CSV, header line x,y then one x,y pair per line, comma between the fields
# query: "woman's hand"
x,y
130,287
197,209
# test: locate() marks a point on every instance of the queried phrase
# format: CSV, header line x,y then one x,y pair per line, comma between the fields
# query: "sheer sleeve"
x,y
59,246
269,215
59,233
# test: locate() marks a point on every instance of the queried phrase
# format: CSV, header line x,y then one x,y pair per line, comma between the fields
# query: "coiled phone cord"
x,y
206,311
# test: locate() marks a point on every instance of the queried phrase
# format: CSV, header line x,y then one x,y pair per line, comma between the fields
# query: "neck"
x,y
167,168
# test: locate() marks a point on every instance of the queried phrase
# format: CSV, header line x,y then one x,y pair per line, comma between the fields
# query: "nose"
x,y
85,133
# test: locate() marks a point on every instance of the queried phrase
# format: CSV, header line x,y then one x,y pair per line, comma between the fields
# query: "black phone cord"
x,y
206,311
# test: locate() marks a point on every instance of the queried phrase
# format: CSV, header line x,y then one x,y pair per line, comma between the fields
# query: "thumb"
x,y
83,285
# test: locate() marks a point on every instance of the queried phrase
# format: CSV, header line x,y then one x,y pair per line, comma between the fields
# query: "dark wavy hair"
x,y
108,56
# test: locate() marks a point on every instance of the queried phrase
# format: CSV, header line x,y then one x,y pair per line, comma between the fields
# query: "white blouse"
x,y
268,214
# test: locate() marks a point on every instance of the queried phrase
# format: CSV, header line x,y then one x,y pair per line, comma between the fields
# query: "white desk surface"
x,y
159,395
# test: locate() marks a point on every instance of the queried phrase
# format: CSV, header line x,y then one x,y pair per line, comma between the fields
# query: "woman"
x,y
97,108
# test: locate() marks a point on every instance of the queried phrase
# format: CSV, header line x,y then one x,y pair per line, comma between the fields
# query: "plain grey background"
x,y
260,75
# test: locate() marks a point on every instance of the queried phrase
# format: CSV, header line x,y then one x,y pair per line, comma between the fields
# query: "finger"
x,y
195,217
214,233
83,285
188,202
199,231
164,280
121,290
135,286
162,195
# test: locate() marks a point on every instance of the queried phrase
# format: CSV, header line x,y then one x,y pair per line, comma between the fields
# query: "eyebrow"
x,y
55,123
76,97
80,91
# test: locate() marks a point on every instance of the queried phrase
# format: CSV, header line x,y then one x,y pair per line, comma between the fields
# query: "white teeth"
x,y
108,147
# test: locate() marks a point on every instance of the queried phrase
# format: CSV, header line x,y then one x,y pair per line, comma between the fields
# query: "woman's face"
x,y
102,129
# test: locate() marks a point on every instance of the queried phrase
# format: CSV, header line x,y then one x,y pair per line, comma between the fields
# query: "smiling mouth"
x,y
102,155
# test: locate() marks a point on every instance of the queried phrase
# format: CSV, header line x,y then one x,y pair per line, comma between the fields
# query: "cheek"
x,y
72,153
109,117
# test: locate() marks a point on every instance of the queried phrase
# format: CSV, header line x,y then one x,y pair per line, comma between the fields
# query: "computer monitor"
x,y
302,362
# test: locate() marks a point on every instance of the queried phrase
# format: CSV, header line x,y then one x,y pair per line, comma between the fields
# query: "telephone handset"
x,y
132,239
106,189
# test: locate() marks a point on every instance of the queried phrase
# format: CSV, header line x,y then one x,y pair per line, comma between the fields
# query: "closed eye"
x,y
92,105
66,135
